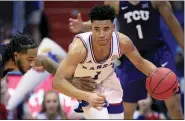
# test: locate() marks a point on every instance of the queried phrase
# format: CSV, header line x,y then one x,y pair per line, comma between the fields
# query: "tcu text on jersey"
x,y
136,15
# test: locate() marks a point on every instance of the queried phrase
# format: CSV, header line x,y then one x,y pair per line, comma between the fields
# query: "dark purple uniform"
x,y
141,23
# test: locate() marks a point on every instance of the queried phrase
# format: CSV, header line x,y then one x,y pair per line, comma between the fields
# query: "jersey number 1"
x,y
97,74
139,30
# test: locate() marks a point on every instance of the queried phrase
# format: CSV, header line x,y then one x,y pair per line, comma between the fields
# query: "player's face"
x,y
102,31
51,103
25,61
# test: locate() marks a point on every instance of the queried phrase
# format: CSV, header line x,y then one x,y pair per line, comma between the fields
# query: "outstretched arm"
x,y
77,25
47,63
133,55
165,9
44,62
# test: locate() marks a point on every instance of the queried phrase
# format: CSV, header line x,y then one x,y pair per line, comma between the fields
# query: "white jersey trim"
x,y
118,43
85,45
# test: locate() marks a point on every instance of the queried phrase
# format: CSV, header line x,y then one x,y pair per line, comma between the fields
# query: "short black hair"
x,y
102,12
19,43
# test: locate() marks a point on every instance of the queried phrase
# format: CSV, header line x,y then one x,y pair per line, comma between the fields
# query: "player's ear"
x,y
16,55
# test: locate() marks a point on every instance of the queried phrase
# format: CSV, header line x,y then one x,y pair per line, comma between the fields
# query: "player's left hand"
x,y
84,83
75,25
178,87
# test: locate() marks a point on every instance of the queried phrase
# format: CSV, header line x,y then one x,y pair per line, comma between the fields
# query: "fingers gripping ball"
x,y
162,83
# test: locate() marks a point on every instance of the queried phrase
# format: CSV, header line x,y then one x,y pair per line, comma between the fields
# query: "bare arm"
x,y
77,25
66,71
86,26
47,63
133,55
165,9
44,62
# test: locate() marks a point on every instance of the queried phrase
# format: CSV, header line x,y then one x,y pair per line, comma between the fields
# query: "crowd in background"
x,y
38,27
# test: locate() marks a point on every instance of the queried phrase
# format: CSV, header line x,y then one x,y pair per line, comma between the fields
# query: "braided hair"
x,y
19,43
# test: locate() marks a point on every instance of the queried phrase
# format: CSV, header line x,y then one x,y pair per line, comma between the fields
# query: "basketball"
x,y
162,83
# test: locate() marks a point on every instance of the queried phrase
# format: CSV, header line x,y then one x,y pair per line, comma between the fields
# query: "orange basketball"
x,y
162,83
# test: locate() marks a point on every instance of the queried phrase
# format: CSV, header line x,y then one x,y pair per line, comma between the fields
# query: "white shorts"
x,y
112,89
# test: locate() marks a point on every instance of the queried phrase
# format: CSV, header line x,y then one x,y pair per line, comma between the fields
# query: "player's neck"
x,y
99,48
135,2
10,65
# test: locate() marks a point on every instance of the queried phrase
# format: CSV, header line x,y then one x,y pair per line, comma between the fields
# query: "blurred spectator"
x,y
51,107
180,62
4,96
33,25
5,30
6,40
145,111
180,71
3,112
177,5
38,26
23,111
4,91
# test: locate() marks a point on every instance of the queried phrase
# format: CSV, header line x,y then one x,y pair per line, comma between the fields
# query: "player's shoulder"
x,y
84,35
156,4
77,47
123,39
125,42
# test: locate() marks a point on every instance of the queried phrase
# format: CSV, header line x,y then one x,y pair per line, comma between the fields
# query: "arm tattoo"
x,y
50,65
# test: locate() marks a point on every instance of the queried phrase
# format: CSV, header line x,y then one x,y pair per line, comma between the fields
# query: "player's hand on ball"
x,y
178,87
96,100
75,25
84,83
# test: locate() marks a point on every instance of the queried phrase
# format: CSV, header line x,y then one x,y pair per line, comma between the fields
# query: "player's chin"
x,y
25,70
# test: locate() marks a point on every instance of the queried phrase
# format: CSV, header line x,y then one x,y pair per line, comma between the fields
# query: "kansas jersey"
x,y
141,23
98,71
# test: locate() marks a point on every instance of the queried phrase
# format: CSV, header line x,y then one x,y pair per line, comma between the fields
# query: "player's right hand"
x,y
96,100
75,25
84,83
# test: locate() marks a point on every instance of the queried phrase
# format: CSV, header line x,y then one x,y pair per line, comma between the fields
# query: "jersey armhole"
x,y
118,43
85,45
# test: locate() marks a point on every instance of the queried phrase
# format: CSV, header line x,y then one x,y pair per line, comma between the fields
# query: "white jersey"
x,y
90,67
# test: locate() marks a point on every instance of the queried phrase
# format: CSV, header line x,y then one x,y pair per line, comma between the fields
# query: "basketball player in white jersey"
x,y
92,54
